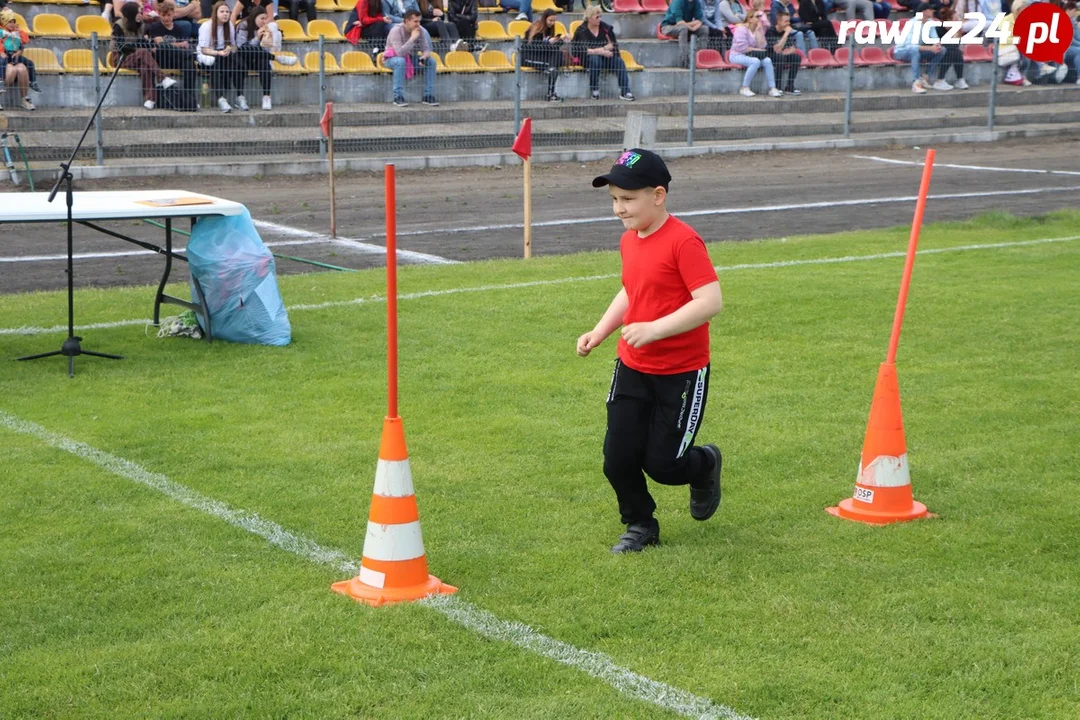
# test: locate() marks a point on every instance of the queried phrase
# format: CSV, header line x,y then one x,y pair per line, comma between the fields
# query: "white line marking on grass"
x,y
1033,171
482,622
740,210
358,245
130,253
29,330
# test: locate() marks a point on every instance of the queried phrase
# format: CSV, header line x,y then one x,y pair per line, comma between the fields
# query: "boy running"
x,y
661,379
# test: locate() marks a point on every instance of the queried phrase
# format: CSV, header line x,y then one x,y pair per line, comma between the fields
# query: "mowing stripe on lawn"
x,y
482,622
1033,171
29,330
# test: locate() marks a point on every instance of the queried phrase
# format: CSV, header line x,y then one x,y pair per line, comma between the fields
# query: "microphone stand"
x,y
72,345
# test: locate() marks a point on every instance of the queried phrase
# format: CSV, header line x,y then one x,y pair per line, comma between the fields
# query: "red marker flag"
x,y
327,116
523,141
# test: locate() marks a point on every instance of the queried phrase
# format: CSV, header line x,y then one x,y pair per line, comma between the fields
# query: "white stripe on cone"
x,y
885,471
393,542
374,578
393,478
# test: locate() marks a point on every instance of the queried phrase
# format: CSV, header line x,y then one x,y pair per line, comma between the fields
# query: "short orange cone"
x,y
883,486
394,567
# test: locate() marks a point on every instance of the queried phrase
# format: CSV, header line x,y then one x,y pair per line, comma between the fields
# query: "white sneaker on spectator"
x,y
224,105
917,88
776,92
286,59
149,104
27,105
1078,81
267,105
1060,73
1046,69
241,103
941,85
746,92
522,16
924,80
961,84
457,45
1025,82
166,83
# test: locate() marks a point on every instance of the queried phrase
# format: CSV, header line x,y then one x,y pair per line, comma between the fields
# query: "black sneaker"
x,y
627,96
35,87
595,94
400,102
637,537
554,98
430,100
704,501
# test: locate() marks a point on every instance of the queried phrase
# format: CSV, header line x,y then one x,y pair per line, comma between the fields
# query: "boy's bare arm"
x,y
707,301
611,320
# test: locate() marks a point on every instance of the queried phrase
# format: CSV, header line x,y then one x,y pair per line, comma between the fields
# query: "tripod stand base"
x,y
71,348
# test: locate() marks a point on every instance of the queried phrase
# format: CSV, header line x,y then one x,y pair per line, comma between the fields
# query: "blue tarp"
x,y
237,274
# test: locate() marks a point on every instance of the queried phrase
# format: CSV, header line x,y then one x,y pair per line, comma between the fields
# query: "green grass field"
x,y
116,601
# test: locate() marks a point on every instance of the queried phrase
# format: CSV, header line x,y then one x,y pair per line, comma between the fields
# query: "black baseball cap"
x,y
636,169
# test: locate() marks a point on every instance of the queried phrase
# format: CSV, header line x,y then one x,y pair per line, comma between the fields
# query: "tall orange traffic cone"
x,y
394,566
883,486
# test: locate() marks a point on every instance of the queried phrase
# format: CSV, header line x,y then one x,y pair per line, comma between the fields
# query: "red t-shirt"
x,y
659,272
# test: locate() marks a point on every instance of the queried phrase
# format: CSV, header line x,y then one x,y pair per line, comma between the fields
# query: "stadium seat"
x,y
44,60
662,36
311,62
820,58
712,60
895,6
560,29
524,67
327,6
539,6
874,55
85,25
490,30
490,9
628,60
327,29
80,62
661,6
52,26
889,54
110,64
292,31
495,61
841,57
296,69
977,53
21,22
836,27
627,6
346,5
459,61
574,26
358,62
518,28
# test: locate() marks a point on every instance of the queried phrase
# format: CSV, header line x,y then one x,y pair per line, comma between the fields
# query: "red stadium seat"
x,y
820,58
977,53
662,36
841,57
712,60
659,6
874,55
626,6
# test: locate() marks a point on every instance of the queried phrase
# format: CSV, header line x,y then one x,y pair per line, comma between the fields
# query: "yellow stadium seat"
x,y
44,60
110,59
539,6
574,26
296,69
21,22
292,31
490,30
327,6
439,66
358,62
492,9
629,61
495,61
81,62
346,5
50,25
311,62
518,27
327,29
560,29
458,61
524,68
85,25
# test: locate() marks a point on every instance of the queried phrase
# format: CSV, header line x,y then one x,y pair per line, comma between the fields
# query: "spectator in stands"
x,y
464,14
407,46
258,41
910,50
524,8
814,15
130,31
595,41
682,20
14,41
732,12
863,9
952,56
172,48
16,74
719,36
217,47
1072,55
757,7
186,16
803,35
749,50
394,10
433,19
293,7
545,51
242,9
784,52
367,22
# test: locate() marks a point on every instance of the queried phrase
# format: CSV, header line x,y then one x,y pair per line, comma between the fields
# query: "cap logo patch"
x,y
628,159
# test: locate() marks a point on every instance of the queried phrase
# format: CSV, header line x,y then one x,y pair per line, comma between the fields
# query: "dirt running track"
x,y
439,211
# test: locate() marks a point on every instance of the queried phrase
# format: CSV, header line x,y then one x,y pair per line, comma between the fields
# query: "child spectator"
x,y
258,41
217,47
784,53
544,50
748,49
130,31
595,41
16,71
367,22
172,48
16,42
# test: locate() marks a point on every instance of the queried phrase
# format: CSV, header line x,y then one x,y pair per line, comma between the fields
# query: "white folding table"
x,y
126,205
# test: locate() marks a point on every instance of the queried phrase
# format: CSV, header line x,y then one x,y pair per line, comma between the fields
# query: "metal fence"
x,y
673,94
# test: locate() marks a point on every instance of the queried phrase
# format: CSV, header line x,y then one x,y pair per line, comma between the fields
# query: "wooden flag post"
x,y
523,147
327,124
